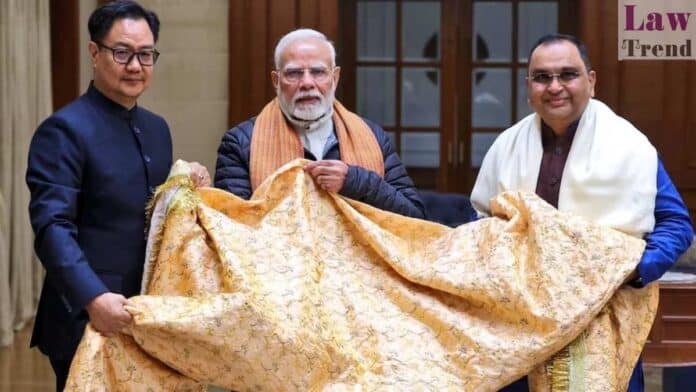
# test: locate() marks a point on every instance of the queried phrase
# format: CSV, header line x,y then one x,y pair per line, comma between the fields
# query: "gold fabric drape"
x,y
299,289
25,100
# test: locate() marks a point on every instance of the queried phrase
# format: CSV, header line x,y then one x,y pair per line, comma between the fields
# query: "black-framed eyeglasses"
x,y
546,78
147,57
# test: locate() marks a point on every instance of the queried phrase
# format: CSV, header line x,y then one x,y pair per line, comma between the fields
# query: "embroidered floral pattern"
x,y
298,290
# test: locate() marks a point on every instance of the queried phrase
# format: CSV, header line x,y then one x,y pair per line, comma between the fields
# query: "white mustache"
x,y
307,95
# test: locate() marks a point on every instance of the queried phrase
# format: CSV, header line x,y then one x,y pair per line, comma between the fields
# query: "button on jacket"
x,y
91,170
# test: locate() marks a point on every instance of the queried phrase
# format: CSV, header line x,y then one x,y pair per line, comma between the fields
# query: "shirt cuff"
x,y
82,286
647,272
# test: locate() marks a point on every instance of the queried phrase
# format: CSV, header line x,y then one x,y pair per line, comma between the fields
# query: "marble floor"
x,y
22,369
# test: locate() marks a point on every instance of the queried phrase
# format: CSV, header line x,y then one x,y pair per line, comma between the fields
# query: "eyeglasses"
x,y
294,75
147,57
546,78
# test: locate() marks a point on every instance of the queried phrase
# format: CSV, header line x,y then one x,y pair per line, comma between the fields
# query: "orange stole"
x,y
274,142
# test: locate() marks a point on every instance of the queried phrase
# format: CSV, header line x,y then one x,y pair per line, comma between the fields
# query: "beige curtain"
x,y
25,100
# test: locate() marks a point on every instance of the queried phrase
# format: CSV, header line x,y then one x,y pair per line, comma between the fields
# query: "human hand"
x,y
107,313
632,277
329,174
199,175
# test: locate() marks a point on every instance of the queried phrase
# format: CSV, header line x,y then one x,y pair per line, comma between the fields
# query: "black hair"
x,y
550,38
103,18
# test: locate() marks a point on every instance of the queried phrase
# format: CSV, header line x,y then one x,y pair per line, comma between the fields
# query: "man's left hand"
x,y
199,175
330,175
632,277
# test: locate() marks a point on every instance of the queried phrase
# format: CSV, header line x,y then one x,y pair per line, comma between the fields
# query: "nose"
x,y
307,81
134,64
555,84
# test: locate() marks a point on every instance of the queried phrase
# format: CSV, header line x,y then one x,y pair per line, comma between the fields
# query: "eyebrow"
x,y
544,70
561,70
130,47
292,66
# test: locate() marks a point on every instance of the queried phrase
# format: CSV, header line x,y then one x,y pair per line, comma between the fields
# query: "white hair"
x,y
299,34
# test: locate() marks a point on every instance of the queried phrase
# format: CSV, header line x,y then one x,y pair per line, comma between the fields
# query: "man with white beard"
x,y
352,156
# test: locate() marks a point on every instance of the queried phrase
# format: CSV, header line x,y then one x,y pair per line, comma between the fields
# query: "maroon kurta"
x,y
556,149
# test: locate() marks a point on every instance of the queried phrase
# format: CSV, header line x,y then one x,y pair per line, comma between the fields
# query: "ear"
x,y
275,79
592,77
337,75
93,51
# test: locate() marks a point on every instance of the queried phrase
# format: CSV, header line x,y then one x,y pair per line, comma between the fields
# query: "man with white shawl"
x,y
581,157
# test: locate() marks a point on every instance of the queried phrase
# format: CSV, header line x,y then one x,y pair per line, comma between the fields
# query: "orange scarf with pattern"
x,y
274,142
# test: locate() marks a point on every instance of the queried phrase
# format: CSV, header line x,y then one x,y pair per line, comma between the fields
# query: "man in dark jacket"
x,y
352,156
92,167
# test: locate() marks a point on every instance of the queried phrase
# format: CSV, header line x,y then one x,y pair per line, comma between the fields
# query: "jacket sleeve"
x,y
672,234
54,177
232,167
395,192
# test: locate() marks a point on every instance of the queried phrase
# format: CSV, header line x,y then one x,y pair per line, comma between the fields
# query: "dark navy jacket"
x,y
395,192
92,167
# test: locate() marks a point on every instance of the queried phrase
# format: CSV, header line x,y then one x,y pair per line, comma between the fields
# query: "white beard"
x,y
310,112
307,114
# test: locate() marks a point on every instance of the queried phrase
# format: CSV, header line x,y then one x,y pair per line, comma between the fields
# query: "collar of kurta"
x,y
549,137
274,142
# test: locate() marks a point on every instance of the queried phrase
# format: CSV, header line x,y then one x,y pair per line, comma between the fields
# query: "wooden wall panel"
x,y
656,96
672,340
635,98
328,19
690,123
257,57
310,13
675,113
594,36
686,178
65,54
237,44
254,29
346,56
283,17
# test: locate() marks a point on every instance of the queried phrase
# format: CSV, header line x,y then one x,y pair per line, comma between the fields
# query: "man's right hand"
x,y
107,313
